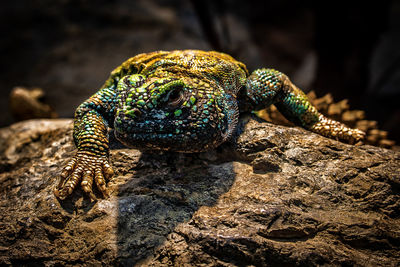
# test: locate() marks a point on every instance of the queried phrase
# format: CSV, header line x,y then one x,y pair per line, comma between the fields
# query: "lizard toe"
x,y
84,169
86,184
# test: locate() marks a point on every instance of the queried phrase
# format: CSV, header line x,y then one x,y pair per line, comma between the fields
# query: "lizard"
x,y
183,101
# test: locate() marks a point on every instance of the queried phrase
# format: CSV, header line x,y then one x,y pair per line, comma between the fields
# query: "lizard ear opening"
x,y
231,112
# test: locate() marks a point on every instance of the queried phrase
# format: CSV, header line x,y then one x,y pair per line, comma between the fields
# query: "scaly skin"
x,y
185,101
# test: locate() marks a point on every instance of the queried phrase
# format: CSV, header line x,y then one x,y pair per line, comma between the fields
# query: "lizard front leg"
x,y
90,164
268,86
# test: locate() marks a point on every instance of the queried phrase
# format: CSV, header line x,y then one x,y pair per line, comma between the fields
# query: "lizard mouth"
x,y
151,127
167,135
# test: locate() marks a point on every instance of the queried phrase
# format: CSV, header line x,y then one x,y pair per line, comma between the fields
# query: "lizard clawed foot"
x,y
84,168
336,130
357,136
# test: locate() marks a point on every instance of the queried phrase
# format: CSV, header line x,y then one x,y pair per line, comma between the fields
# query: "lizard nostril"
x,y
134,113
137,112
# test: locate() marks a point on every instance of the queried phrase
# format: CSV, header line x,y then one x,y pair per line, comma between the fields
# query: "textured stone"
x,y
28,104
278,196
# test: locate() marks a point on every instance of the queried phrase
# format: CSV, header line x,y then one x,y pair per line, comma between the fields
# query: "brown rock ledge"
x,y
280,197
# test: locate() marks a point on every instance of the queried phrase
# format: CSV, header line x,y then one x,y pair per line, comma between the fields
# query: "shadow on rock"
x,y
162,191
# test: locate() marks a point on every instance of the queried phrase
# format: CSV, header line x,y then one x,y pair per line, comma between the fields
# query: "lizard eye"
x,y
175,97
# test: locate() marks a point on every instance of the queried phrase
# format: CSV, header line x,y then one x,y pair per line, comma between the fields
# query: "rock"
x,y
279,196
27,104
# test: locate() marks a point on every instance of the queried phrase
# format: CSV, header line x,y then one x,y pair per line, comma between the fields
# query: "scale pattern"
x,y
185,101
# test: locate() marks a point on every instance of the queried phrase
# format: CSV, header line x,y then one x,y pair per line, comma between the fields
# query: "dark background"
x,y
68,47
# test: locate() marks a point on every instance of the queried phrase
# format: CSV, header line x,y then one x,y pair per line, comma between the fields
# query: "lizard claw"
x,y
85,169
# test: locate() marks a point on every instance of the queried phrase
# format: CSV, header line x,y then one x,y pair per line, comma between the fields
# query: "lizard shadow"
x,y
160,191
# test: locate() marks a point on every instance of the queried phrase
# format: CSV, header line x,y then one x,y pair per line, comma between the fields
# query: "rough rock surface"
x,y
280,197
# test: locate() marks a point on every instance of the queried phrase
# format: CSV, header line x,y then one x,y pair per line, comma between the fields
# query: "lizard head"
x,y
176,114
